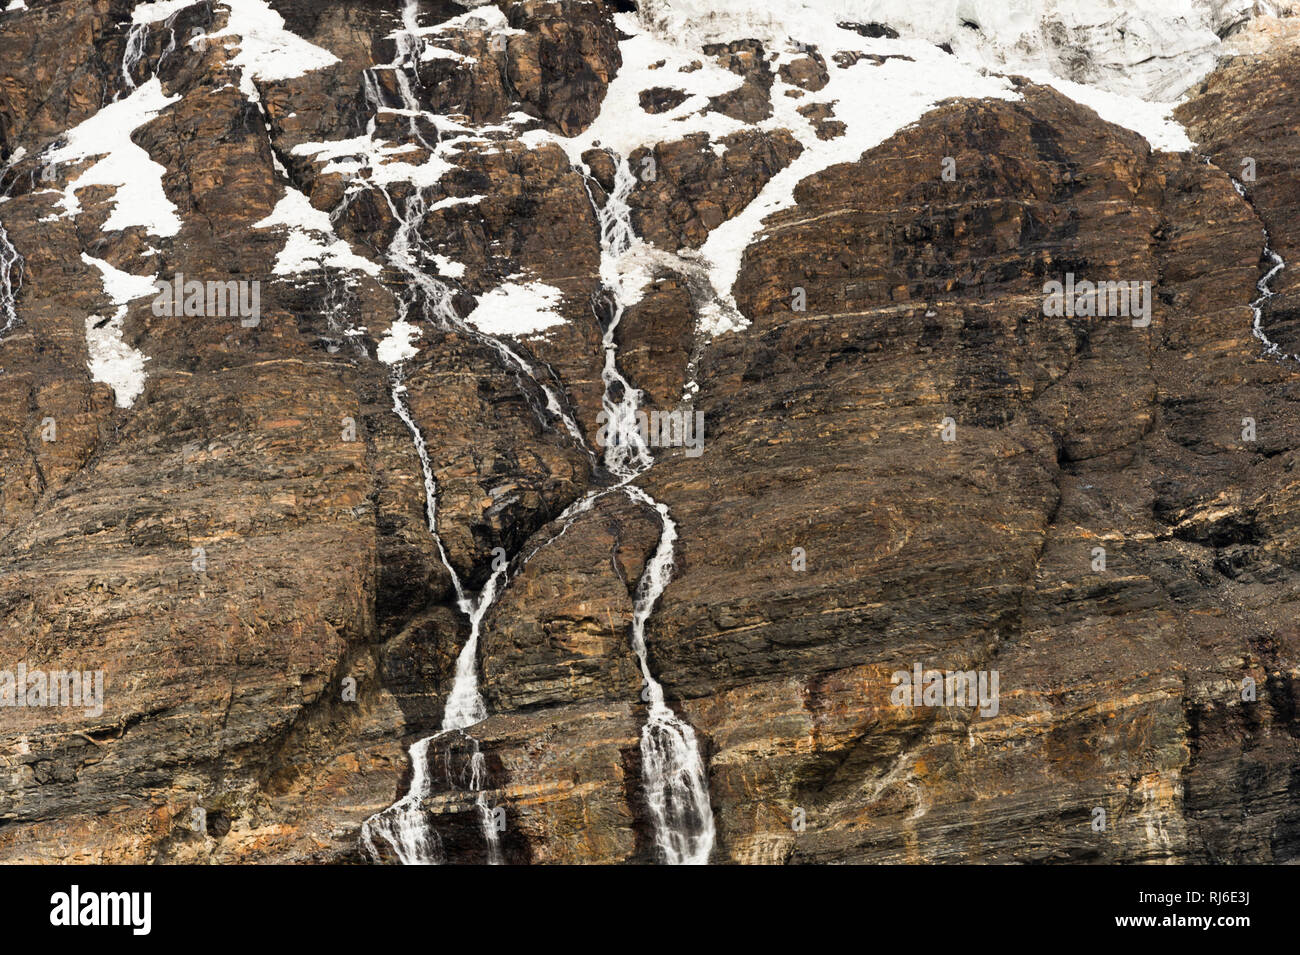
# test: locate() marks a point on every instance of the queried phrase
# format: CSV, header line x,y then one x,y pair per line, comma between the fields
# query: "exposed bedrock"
x,y
905,462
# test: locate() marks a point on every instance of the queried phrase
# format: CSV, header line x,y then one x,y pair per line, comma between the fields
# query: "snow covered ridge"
x,y
1125,59
1152,49
873,101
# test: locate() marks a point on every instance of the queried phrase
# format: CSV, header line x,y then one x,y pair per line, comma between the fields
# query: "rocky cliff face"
x,y
295,519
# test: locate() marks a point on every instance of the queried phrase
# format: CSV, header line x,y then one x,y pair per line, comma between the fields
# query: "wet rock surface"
x,y
914,466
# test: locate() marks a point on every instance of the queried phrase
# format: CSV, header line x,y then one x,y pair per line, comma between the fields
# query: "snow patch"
x,y
159,10
295,211
351,156
448,267
139,199
431,52
397,344
122,287
456,201
110,359
485,17
312,243
874,102
303,253
517,309
623,125
267,51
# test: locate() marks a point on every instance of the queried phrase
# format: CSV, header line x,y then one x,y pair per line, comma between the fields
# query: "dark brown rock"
x,y
696,187
245,550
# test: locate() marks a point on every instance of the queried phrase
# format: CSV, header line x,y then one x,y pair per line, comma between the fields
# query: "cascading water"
x,y
465,706
1271,348
677,789
170,26
398,391
435,295
11,273
676,785
1265,293
403,826
626,454
136,41
477,782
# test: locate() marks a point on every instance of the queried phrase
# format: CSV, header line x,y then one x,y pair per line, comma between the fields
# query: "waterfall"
x,y
626,454
478,776
11,274
436,296
170,48
677,789
403,825
170,26
136,41
1265,293
465,706
398,391
1271,348
676,785
675,782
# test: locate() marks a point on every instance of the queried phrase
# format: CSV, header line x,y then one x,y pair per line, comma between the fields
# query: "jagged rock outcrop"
x,y
695,188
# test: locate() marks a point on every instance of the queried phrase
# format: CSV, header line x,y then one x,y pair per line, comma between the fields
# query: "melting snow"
x,y
490,17
875,101
267,51
122,287
111,360
139,199
517,309
447,267
1151,49
624,126
159,10
311,243
397,344
351,156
